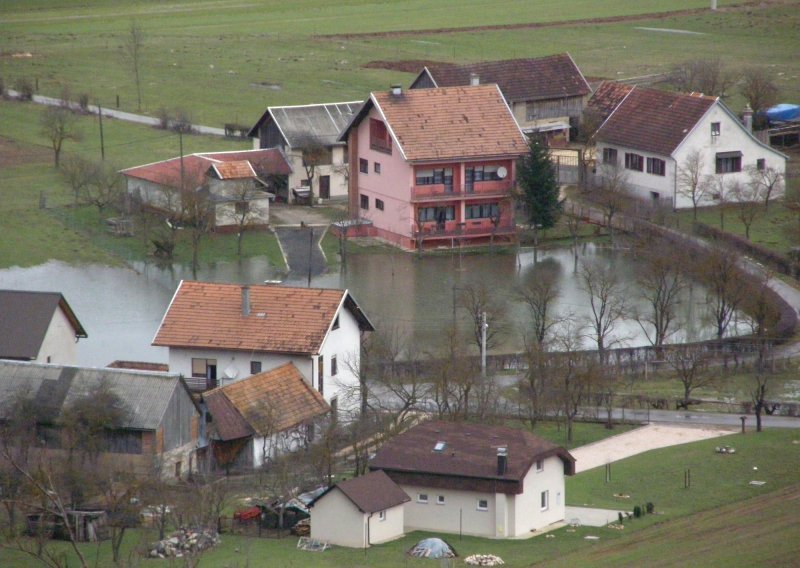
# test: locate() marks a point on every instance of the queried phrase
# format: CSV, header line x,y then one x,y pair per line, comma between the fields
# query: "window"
x,y
321,374
439,447
656,167
242,207
634,162
363,166
610,156
539,465
305,183
379,138
545,500
178,469
376,167
438,214
334,366
379,204
440,500
483,505
482,173
124,441
364,202
761,164
335,323
482,211
381,515
729,162
200,367
715,128
255,367
422,498
441,176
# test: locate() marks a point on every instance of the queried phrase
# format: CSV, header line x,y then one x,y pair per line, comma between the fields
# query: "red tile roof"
x,y
240,169
371,493
282,319
549,77
266,403
468,457
451,123
607,97
195,166
653,121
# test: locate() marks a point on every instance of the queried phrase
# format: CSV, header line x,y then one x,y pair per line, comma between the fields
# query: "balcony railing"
x,y
441,192
470,228
200,384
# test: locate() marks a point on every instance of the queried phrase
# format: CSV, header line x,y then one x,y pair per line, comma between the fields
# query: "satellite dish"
x,y
502,172
231,373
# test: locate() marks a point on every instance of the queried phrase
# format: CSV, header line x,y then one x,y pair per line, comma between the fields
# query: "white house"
x,y
650,135
260,417
308,136
487,481
234,183
220,333
359,512
38,326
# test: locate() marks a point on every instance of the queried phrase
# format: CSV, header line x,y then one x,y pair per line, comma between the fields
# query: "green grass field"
x,y
226,61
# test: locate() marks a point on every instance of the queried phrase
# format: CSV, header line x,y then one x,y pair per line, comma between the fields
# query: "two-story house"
x,y
308,136
220,333
546,94
651,135
489,481
435,167
38,326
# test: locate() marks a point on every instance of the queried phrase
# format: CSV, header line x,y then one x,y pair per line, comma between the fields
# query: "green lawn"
x,y
693,520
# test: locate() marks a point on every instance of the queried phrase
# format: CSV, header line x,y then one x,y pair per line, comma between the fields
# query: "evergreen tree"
x,y
539,186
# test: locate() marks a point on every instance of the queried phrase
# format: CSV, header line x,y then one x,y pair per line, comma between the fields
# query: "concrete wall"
x,y
459,511
527,513
59,346
336,519
388,528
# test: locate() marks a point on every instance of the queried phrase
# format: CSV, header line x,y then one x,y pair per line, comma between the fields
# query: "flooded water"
x,y
121,308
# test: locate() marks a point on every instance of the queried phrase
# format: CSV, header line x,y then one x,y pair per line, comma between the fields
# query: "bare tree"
x,y
134,45
453,377
660,280
78,172
607,305
721,189
104,186
247,212
613,195
707,76
748,197
476,300
197,212
571,375
314,154
59,124
692,183
719,272
690,364
758,89
540,295
767,180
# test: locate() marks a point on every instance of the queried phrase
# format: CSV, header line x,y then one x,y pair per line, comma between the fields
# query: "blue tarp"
x,y
783,112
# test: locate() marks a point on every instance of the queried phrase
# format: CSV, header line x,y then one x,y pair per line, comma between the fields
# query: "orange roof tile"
x,y
272,401
451,123
240,169
282,319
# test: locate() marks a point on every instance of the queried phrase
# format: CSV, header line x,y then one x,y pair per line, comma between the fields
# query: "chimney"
x,y
502,461
747,118
245,300
396,90
474,79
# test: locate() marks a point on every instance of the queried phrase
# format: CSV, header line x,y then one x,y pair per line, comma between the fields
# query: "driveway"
x,y
300,247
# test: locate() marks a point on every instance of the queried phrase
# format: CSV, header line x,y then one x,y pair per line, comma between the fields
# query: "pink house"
x,y
434,167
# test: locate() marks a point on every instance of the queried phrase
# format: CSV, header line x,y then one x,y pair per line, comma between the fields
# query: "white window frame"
x,y
544,500
382,515
484,507
440,499
422,498
539,465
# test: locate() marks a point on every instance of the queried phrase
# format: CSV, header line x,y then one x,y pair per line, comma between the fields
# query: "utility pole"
x,y
310,251
484,327
102,145
180,142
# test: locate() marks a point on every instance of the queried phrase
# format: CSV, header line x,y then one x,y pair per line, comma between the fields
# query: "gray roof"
x,y
24,320
320,123
53,387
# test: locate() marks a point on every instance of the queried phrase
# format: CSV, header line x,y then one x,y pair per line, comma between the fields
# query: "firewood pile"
x,y
185,542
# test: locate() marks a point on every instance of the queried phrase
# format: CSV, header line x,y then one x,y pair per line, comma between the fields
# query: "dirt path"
x,y
561,23
641,440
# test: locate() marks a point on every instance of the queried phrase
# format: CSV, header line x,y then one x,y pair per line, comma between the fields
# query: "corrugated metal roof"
x,y
24,319
320,124
146,395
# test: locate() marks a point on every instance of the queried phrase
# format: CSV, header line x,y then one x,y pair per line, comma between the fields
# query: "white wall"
x,y
389,528
345,344
225,213
337,171
528,513
336,519
59,343
153,194
642,184
460,509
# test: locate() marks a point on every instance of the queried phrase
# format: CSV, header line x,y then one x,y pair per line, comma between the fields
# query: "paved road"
x,y
296,243
119,114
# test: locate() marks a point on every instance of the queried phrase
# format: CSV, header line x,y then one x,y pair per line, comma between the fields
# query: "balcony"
x,y
458,192
200,384
471,228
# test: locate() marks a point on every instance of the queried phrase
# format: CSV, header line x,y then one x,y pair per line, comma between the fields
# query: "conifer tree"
x,y
539,186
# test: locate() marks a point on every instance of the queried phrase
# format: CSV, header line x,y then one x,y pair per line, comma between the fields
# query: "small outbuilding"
x,y
359,512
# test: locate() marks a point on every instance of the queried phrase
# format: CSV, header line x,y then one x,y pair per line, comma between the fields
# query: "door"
x,y
324,187
211,374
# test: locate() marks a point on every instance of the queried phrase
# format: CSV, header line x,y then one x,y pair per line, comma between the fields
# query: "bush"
x,y
83,102
24,87
164,118
650,507
619,517
637,512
